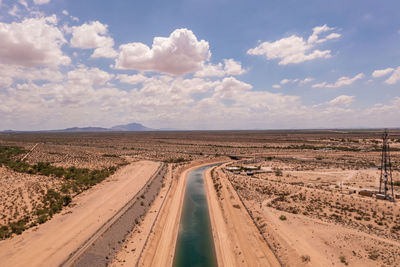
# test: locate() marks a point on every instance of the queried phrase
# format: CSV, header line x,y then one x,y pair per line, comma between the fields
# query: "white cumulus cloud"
x,y
178,54
294,49
89,76
32,42
380,73
41,2
394,78
93,35
230,67
342,81
342,100
131,79
298,81
231,87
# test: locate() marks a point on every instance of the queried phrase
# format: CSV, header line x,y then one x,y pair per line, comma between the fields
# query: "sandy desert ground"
x,y
52,243
300,205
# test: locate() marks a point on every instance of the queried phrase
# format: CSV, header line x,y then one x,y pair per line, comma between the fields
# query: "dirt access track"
x,y
236,238
52,243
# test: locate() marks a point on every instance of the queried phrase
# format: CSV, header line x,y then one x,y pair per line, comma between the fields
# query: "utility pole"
x,y
386,180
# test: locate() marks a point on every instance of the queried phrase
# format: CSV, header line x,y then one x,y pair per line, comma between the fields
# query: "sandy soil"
x,y
237,240
161,246
51,243
326,244
310,218
21,193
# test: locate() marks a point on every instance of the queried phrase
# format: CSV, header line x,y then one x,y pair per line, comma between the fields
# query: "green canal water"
x,y
195,246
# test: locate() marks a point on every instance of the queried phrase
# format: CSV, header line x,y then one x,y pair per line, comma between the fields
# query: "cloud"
x,y
380,73
85,96
5,82
30,74
314,38
231,87
32,42
306,80
300,82
294,49
93,35
342,100
41,2
342,81
23,3
131,79
276,86
14,11
231,67
178,54
285,81
395,77
89,76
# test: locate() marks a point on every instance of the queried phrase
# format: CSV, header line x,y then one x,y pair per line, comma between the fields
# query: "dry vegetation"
x,y
305,177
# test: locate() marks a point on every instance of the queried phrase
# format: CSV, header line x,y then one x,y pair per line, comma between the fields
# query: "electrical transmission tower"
x,y
386,180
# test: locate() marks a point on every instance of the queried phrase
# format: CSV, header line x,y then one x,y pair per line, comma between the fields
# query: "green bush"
x,y
18,227
173,160
42,219
4,232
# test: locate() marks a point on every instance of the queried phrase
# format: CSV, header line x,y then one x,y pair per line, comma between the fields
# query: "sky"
x,y
199,64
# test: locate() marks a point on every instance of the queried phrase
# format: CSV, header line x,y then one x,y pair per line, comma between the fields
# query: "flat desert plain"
x,y
278,198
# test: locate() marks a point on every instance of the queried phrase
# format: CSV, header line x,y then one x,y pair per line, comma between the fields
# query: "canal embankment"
x,y
236,238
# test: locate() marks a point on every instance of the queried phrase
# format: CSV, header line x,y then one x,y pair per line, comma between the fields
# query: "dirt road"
x,y
237,240
51,243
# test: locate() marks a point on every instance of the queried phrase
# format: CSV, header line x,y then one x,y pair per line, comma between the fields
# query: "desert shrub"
x,y
343,260
66,200
282,218
42,219
175,160
373,256
278,172
4,232
110,156
395,228
305,258
18,227
8,154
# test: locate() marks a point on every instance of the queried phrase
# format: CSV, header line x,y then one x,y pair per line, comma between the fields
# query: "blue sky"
x,y
219,64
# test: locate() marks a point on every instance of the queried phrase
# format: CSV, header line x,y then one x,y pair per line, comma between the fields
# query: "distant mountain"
x,y
83,129
131,127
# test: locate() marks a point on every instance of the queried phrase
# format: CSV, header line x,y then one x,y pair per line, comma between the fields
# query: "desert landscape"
x,y
199,133
295,193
